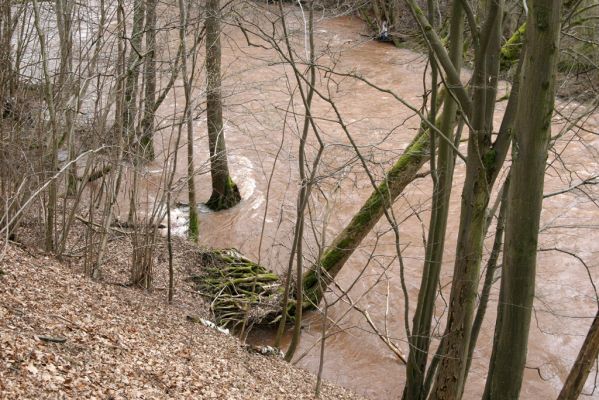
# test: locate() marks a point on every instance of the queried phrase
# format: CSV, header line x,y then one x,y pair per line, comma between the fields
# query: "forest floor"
x,y
121,342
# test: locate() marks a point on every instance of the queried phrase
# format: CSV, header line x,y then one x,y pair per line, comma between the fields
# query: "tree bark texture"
x,y
525,196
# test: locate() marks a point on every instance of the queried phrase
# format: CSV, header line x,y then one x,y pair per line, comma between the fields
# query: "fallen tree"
x,y
347,241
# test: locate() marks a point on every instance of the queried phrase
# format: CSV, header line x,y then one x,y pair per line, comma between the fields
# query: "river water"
x,y
262,138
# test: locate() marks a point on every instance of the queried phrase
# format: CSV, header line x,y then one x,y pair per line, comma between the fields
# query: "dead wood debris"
x,y
241,292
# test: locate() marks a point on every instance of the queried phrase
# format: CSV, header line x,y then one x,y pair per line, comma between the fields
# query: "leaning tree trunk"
x,y
399,176
225,193
525,196
584,362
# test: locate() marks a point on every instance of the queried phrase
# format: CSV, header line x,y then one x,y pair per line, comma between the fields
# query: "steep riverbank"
x,y
123,343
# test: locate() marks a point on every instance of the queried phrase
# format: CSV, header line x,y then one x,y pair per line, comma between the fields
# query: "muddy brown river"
x,y
262,138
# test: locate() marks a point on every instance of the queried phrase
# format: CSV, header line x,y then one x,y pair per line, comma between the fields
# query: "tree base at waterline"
x,y
223,201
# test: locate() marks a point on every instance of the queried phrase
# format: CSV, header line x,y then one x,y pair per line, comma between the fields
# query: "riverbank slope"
x,y
121,342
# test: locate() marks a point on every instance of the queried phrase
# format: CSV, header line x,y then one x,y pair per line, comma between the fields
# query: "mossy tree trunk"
x,y
225,193
398,177
510,51
484,160
525,197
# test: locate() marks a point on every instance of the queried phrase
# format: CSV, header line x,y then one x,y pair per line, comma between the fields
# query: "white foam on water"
x,y
244,176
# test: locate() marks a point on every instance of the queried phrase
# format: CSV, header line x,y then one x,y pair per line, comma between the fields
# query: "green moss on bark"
x,y
510,52
399,176
226,199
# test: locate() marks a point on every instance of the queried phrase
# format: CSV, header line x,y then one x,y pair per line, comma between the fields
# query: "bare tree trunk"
x,y
132,76
529,148
443,180
49,98
583,364
113,181
147,124
169,242
193,229
225,193
303,197
6,70
65,87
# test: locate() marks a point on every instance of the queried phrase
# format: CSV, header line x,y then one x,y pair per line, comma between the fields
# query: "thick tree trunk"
x,y
525,196
583,364
225,193
399,176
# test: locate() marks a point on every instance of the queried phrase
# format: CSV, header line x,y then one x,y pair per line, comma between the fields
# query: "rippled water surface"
x,y
257,88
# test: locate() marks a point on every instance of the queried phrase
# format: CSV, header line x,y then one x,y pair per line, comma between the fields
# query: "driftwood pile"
x,y
242,293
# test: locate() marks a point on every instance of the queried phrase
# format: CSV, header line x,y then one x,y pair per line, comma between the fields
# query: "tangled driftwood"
x,y
242,293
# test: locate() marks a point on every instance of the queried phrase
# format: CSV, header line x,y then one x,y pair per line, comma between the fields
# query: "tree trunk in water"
x,y
584,362
193,230
399,176
387,12
420,339
525,196
225,193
